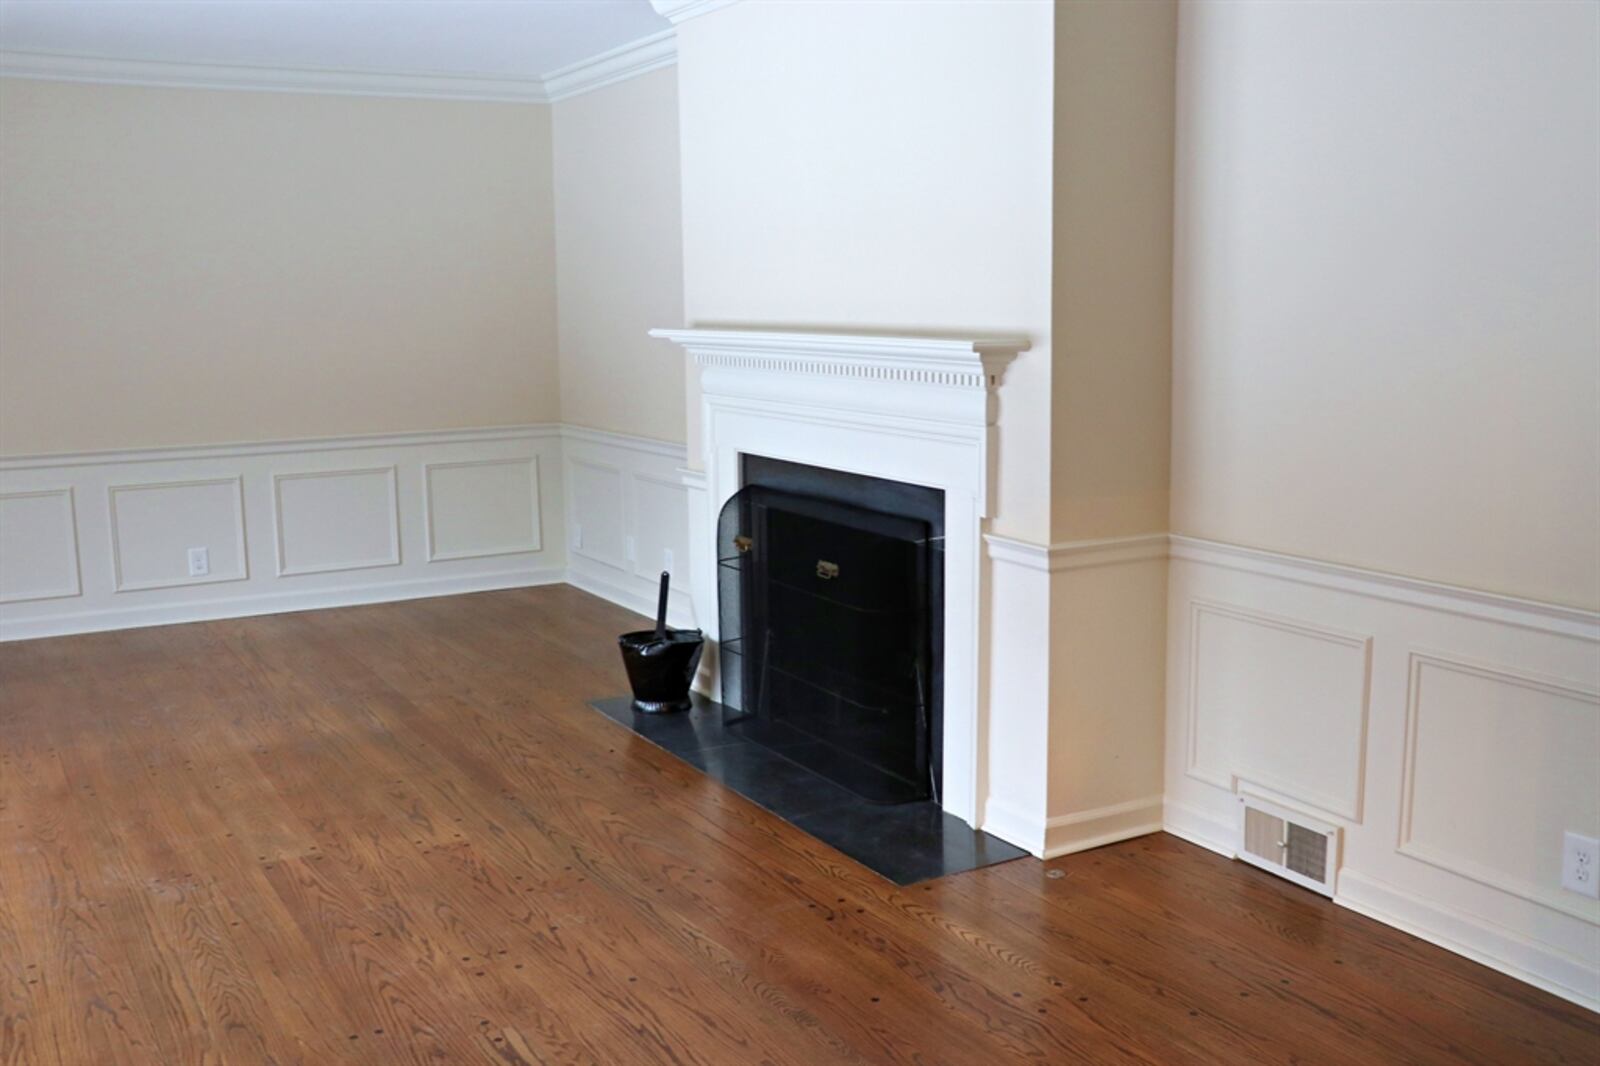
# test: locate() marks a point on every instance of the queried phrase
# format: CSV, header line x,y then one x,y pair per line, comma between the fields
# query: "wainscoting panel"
x,y
599,530
155,526
286,525
38,546
1278,703
327,520
627,515
1468,723
482,508
1451,733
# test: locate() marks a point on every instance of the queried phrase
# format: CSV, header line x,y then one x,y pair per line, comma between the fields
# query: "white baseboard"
x,y
1065,834
1197,827
1492,945
679,615
1015,826
276,603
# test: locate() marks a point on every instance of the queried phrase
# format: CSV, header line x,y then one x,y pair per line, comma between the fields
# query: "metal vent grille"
x,y
1288,844
1306,853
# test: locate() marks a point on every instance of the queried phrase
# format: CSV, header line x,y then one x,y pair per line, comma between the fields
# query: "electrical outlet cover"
x,y
1580,865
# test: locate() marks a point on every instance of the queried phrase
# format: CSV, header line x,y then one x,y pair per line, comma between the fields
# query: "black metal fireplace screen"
x,y
830,589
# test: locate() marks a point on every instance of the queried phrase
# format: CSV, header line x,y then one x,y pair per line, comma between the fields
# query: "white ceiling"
x,y
519,39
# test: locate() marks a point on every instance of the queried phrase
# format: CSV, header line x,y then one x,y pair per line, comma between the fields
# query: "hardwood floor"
x,y
395,834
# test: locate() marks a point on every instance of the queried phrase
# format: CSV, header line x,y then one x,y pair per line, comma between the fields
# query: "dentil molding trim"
x,y
966,363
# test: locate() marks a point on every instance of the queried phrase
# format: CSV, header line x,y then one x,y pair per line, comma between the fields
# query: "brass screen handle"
x,y
827,571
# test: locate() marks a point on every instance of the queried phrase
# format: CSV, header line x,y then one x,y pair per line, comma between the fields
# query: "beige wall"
x,y
1387,343
1112,268
619,256
184,266
879,166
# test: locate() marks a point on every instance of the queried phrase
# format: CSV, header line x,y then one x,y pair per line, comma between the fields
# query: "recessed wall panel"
x,y
331,520
483,507
38,546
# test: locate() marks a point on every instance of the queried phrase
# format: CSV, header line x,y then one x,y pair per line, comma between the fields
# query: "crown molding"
x,y
51,66
614,65
609,67
681,11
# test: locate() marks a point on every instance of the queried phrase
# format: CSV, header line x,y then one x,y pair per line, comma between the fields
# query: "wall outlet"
x,y
199,562
666,559
629,550
577,534
1580,865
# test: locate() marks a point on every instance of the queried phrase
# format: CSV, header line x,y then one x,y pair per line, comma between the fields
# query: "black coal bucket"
x,y
661,662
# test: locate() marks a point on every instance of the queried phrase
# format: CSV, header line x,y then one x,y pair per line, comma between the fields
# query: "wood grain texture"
x,y
395,834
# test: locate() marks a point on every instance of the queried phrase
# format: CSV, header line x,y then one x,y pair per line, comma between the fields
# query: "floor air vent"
x,y
1288,844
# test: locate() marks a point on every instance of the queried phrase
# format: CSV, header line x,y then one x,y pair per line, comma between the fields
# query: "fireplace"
x,y
830,589
913,411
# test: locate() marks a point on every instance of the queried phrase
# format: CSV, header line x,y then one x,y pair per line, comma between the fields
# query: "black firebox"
x,y
831,594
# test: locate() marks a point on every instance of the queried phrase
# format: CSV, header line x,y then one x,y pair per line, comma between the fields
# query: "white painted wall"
x,y
879,167
194,266
1387,351
619,256
1388,254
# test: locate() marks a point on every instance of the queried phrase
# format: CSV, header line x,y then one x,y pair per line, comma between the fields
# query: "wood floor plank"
x,y
396,834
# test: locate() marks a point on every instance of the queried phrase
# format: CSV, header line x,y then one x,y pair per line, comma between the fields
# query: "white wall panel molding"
x,y
1415,592
627,519
296,446
39,546
1238,731
154,524
611,66
1482,720
332,520
478,508
1549,726
288,525
1078,554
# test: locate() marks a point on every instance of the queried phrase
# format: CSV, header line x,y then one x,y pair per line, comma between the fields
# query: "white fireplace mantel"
x,y
922,410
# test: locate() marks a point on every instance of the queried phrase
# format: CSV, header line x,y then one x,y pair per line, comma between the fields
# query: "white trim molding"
x,y
72,585
100,70
1417,592
390,474
535,541
678,12
1443,729
594,72
1077,554
1065,834
120,582
264,559
1453,929
611,66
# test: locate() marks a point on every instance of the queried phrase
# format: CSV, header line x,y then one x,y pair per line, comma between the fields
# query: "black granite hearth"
x,y
905,843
